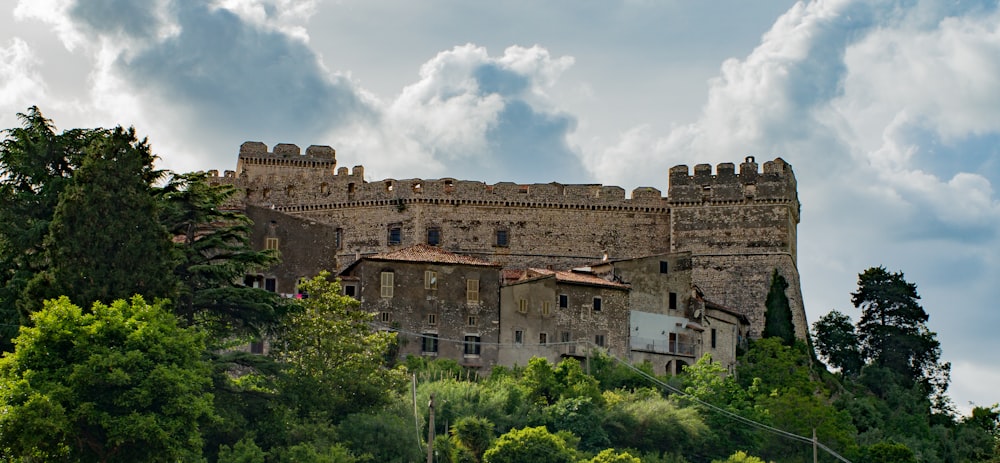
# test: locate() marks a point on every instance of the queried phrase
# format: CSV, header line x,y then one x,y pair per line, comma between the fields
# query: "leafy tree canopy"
x,y
119,383
837,341
334,360
530,444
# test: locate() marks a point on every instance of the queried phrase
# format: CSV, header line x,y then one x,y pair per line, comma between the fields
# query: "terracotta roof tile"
x,y
572,277
429,254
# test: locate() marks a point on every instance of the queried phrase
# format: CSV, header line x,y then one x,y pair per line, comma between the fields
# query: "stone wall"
x,y
444,311
737,226
570,331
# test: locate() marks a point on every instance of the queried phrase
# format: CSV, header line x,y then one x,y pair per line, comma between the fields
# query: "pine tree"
x,y
778,318
214,254
36,165
105,241
893,332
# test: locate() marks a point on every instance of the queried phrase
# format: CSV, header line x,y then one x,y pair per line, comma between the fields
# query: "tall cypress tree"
x,y
105,240
778,318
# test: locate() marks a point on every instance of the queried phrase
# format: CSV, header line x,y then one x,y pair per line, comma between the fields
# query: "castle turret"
x,y
285,160
739,227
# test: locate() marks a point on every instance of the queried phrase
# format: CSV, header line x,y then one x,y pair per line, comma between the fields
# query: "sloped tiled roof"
x,y
426,253
510,275
573,277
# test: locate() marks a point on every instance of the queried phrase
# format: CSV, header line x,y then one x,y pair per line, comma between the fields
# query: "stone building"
x,y
730,226
439,303
556,314
672,323
305,246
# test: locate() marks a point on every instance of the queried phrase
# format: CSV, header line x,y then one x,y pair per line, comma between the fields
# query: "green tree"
x,y
889,452
740,457
775,366
778,317
612,456
837,341
474,434
386,435
120,383
646,421
893,333
214,254
579,415
105,241
536,445
540,380
333,360
243,451
709,382
36,165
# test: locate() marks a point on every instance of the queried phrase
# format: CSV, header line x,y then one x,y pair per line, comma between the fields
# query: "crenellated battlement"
x,y
775,183
285,177
288,151
286,158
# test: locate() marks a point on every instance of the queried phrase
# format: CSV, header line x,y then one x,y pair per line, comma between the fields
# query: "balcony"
x,y
663,346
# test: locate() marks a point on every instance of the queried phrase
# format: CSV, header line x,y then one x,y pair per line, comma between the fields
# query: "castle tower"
x,y
739,227
286,159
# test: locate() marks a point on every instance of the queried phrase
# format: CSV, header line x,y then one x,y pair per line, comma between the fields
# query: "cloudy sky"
x,y
888,111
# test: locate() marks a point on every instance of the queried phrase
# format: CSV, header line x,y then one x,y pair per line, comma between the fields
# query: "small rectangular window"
x,y
257,347
502,238
664,266
433,236
472,345
563,301
472,321
713,338
564,336
338,238
430,279
472,291
350,290
522,306
546,308
543,338
673,301
387,284
271,243
395,235
271,285
385,317
518,337
597,304
432,319
430,344
599,340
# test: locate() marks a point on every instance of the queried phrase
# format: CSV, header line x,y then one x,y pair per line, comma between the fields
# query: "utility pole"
x,y
815,455
430,431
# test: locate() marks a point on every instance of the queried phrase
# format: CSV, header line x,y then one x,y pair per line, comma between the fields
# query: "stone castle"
x,y
734,225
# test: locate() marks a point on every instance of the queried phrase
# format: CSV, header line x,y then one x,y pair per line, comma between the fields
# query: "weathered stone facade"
x,y
440,304
737,227
556,314
672,324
